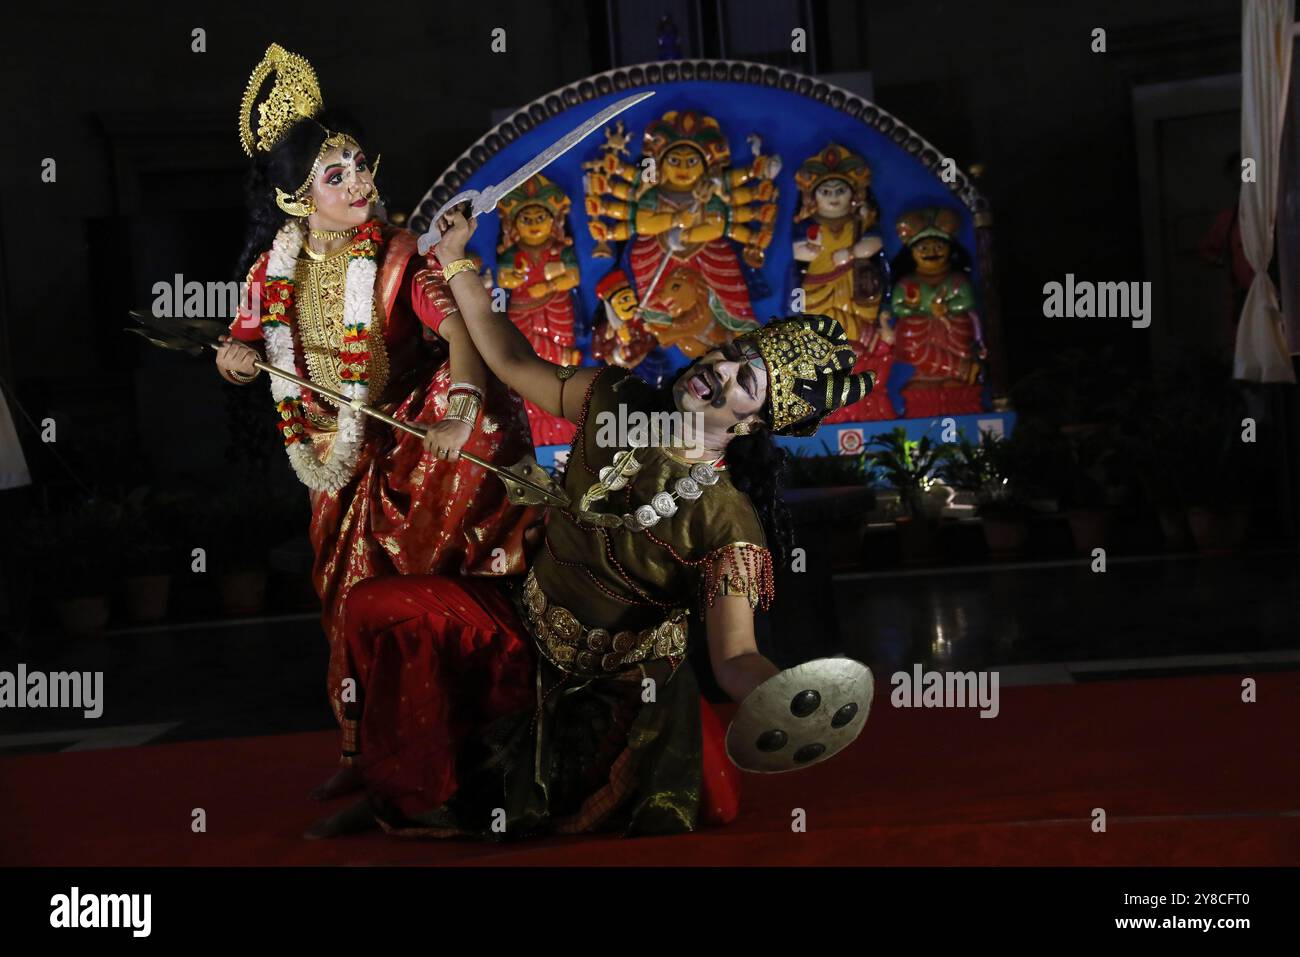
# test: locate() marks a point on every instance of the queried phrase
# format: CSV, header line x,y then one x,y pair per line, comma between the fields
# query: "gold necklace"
x,y
321,283
329,235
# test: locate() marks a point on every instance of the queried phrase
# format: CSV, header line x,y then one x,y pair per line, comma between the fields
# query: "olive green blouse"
x,y
619,578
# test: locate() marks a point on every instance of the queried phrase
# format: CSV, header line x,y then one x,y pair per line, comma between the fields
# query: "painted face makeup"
x,y
726,385
344,188
834,198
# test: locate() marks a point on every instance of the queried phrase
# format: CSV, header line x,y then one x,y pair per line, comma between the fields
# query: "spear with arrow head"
x,y
527,483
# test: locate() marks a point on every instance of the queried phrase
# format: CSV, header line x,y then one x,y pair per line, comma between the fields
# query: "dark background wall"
x,y
150,170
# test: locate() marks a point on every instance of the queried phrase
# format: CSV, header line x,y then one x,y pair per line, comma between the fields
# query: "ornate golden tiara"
x,y
294,96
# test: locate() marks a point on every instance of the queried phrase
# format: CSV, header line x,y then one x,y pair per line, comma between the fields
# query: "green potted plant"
x,y
1088,510
989,469
78,547
909,467
237,538
1072,403
1181,430
829,503
1158,435
827,470
150,555
1221,490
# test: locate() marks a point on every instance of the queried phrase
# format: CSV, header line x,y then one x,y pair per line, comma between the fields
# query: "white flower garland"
x,y
335,470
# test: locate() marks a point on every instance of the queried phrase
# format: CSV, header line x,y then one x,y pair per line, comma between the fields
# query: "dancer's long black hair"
x,y
285,166
758,467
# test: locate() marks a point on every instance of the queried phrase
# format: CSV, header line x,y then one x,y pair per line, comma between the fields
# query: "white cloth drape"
x,y
1288,220
13,466
1261,353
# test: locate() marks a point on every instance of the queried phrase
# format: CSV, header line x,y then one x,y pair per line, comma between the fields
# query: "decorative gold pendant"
x,y
320,306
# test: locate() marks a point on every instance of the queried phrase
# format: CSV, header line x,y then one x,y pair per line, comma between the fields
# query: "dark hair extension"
x,y
758,467
286,166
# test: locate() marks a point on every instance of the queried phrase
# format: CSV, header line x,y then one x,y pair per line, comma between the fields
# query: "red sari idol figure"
x,y
535,261
341,298
936,329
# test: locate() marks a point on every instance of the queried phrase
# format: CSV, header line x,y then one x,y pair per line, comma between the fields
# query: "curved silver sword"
x,y
485,200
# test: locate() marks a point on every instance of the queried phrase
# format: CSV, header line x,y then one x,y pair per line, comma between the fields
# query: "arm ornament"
x,y
458,266
739,569
433,284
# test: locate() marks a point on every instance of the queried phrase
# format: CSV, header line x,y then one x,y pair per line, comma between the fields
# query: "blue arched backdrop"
x,y
796,117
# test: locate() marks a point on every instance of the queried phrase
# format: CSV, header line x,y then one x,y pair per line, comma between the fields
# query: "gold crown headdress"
x,y
834,162
294,96
935,222
537,190
809,367
688,128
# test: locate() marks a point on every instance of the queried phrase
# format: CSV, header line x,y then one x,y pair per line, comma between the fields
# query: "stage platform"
x,y
1186,772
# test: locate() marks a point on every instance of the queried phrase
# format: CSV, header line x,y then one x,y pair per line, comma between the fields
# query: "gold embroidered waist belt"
x,y
573,647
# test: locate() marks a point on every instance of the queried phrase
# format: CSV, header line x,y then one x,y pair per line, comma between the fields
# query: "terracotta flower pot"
x,y
84,616
1219,531
147,597
1005,537
1090,528
243,593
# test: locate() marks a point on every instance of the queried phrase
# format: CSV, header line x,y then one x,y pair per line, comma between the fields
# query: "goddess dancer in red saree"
x,y
345,300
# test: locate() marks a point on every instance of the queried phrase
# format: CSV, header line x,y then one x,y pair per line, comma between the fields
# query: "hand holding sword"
x,y
479,202
526,482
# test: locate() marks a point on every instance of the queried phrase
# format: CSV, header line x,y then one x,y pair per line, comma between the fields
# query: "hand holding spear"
x,y
527,483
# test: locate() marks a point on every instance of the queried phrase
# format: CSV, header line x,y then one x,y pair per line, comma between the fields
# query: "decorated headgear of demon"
x,y
809,367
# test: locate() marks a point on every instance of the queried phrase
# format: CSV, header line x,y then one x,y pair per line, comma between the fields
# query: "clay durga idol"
x,y
685,209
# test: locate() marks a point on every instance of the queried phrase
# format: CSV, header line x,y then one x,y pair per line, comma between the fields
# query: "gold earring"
x,y
741,428
294,207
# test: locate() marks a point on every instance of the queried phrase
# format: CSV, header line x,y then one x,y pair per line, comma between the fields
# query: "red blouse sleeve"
x,y
430,296
247,324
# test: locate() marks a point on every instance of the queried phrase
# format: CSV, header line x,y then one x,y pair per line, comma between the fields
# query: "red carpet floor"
x,y
1186,772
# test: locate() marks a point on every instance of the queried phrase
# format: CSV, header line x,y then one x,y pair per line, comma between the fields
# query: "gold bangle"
x,y
464,407
241,377
459,266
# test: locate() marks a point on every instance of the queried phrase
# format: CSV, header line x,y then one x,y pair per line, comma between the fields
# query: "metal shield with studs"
x,y
801,716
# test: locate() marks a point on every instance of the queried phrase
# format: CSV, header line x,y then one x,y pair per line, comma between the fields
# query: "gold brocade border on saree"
x,y
577,649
